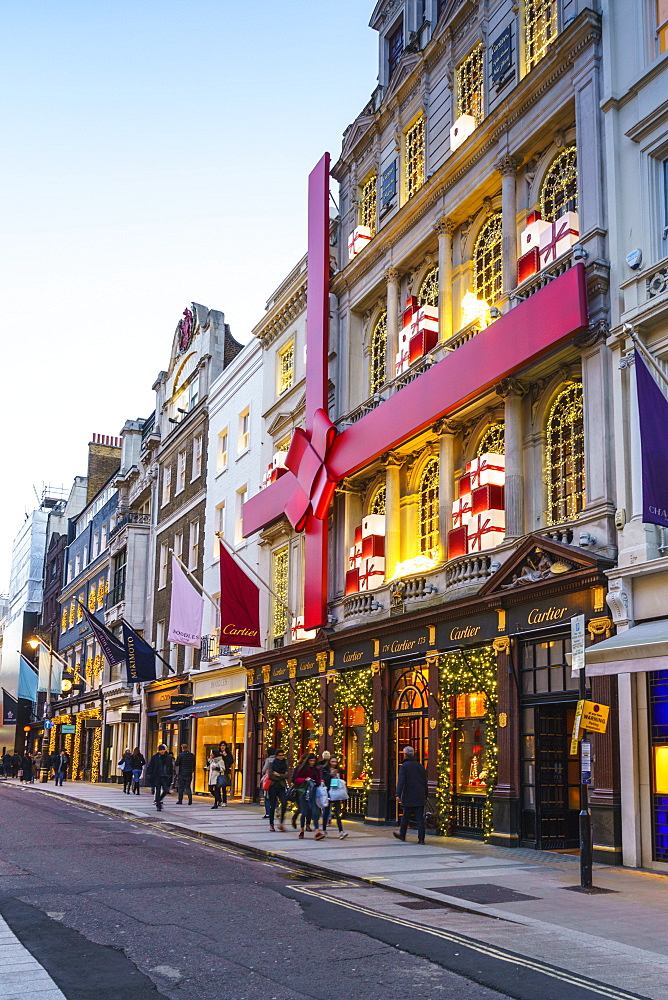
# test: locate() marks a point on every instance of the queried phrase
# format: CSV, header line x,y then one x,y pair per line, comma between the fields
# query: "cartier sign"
x,y
356,655
555,611
410,643
467,631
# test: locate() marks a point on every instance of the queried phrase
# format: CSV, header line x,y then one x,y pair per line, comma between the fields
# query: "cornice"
x,y
269,330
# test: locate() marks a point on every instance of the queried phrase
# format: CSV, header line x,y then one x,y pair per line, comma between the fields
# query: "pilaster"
x,y
444,229
392,277
512,392
507,166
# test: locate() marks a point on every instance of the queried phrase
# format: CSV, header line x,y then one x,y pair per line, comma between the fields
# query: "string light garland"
x,y
278,703
464,673
56,721
353,688
307,699
77,770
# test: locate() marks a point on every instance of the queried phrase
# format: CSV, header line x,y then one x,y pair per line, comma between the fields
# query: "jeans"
x,y
183,785
60,777
136,777
335,809
419,818
277,794
161,789
308,809
127,781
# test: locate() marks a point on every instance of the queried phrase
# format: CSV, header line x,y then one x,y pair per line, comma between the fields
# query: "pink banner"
x,y
185,613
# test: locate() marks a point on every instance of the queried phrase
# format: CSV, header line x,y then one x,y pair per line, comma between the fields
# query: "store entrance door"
x,y
550,779
409,727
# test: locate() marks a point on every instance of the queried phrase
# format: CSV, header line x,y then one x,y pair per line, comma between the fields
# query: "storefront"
x,y
163,699
479,688
122,727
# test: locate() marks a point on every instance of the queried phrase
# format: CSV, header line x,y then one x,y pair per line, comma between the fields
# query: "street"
x,y
114,908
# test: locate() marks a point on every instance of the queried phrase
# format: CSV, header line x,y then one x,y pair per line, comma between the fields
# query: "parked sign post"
x,y
578,669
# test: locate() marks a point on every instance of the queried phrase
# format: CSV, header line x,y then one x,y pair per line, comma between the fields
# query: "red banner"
x,y
239,604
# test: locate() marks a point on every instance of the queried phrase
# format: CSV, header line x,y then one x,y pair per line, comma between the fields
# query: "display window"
x,y
354,735
469,743
658,704
309,737
210,731
281,732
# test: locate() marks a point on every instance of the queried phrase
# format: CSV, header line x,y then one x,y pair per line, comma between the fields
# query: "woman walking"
x,y
138,761
333,777
216,772
26,767
125,764
306,779
277,771
228,760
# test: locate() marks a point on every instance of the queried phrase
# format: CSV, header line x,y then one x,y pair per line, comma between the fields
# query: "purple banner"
x,y
185,612
653,415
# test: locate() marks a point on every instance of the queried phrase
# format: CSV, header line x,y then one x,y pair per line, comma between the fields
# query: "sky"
x,y
153,154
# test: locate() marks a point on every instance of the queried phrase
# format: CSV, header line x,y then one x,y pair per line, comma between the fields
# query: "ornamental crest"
x,y
186,328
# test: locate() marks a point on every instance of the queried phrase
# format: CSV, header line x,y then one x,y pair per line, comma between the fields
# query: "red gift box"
x,y
487,498
373,546
410,310
561,235
421,343
528,264
457,542
352,581
488,468
462,510
464,485
534,216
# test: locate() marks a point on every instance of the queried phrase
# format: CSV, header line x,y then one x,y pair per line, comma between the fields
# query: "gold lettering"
x,y
231,630
352,657
552,614
464,633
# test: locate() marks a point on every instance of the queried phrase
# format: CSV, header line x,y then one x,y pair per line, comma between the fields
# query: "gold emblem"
x,y
250,677
266,673
503,720
376,725
599,626
432,723
322,659
292,669
330,730
501,645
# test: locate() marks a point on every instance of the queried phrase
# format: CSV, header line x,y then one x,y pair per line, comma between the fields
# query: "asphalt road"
x,y
114,909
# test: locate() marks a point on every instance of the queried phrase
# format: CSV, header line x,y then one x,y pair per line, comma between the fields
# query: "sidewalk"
x,y
627,924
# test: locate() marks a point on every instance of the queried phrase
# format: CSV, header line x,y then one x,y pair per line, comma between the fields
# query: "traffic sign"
x,y
577,644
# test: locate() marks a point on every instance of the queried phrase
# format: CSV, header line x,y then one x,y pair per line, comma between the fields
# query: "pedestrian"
x,y
271,751
337,793
306,778
16,765
412,793
125,764
26,767
7,764
60,765
228,761
217,776
138,762
185,768
37,763
160,772
277,772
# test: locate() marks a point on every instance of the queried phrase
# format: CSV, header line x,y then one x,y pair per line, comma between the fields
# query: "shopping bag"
x,y
321,797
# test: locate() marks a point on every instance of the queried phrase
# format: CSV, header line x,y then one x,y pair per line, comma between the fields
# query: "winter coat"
x,y
160,766
278,771
26,767
185,763
138,761
216,767
125,763
60,762
301,778
228,759
412,783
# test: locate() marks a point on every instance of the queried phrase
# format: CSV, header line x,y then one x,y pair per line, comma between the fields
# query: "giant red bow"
x,y
308,459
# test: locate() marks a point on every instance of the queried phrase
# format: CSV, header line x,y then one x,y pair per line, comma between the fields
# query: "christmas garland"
x,y
278,703
463,673
307,699
353,688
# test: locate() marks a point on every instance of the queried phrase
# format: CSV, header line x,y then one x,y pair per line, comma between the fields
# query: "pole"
x,y
585,817
195,580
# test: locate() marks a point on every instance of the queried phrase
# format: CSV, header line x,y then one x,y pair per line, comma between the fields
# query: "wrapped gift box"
x,y
372,524
422,343
463,127
354,556
528,264
561,236
457,542
487,470
401,362
487,498
462,510
486,531
532,232
357,240
352,581
373,546
464,484
299,633
424,318
372,574
410,309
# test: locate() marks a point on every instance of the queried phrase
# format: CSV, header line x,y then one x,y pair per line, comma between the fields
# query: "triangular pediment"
x,y
280,421
409,62
356,131
539,560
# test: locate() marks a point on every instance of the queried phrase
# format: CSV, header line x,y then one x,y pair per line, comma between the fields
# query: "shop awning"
x,y
212,706
640,648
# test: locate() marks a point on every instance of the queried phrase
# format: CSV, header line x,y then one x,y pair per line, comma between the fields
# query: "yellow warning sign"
x,y
577,733
594,717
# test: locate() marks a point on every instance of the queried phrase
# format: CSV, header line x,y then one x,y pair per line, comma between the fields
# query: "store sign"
x,y
356,655
501,58
553,611
68,729
128,717
279,672
412,643
307,666
467,631
180,701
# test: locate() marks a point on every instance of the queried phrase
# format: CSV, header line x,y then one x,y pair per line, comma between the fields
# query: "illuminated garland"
x,y
278,703
77,770
307,699
464,673
353,688
53,733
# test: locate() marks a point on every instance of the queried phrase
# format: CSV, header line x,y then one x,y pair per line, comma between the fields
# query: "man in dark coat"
x,y
159,773
60,765
412,793
185,768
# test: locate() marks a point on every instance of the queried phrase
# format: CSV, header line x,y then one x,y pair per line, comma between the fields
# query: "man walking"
x,y
62,762
412,793
160,773
185,768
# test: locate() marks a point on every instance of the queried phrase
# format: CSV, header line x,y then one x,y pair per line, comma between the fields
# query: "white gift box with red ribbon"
x,y
357,240
372,573
560,237
462,510
299,633
463,127
373,524
531,234
487,470
486,530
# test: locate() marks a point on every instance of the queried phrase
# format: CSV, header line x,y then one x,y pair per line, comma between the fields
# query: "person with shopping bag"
x,y
306,778
337,794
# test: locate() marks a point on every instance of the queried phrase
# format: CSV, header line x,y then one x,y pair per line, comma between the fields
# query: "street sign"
x,y
68,729
48,723
585,762
595,717
577,644
575,739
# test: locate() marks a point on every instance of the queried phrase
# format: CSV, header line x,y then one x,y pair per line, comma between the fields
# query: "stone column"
x,y
445,228
393,465
507,167
447,430
512,391
392,277
434,730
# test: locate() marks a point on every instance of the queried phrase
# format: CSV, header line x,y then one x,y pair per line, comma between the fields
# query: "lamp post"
x,y
35,643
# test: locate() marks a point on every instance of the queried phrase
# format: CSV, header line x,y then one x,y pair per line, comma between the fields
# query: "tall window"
x,y
428,525
559,192
540,29
162,571
239,519
120,570
564,465
279,584
414,158
244,430
80,602
102,589
395,47
488,261
180,471
469,81
166,485
193,555
662,25
218,528
367,212
286,367
178,544
493,440
197,457
428,293
221,460
377,367
377,505
103,537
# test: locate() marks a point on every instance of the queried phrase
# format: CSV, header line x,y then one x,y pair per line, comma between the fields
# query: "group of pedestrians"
x,y
318,788
132,764
27,766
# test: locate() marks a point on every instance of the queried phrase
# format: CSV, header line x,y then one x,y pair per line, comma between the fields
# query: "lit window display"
x,y
354,734
470,731
309,736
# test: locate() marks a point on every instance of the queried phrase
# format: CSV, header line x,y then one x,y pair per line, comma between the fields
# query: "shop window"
x,y
469,78
428,291
378,505
564,465
279,584
470,750
661,26
428,516
414,164
410,693
544,667
493,440
488,261
286,367
309,734
559,190
368,200
354,735
540,29
281,734
377,369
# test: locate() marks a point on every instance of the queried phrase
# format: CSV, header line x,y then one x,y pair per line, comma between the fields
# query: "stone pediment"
x,y
355,133
279,422
538,561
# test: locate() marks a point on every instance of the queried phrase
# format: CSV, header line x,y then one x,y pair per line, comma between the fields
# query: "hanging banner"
x,y
653,416
112,649
239,604
10,707
28,680
139,657
185,610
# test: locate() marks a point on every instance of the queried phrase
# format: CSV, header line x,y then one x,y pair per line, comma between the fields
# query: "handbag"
x,y
223,781
19,773
339,793
291,794
265,784
321,797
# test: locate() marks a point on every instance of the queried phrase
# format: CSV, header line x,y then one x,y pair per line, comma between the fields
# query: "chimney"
x,y
104,458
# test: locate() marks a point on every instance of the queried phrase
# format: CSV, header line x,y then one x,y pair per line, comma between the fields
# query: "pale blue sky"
x,y
153,153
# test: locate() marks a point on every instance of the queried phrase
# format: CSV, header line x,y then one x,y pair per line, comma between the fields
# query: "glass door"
x,y
409,727
550,779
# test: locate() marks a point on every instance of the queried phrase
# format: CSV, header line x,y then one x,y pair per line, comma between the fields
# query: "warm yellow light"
x,y
475,310
66,685
418,564
33,643
661,770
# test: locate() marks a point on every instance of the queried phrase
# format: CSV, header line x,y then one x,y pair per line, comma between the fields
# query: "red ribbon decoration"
x,y
476,536
308,459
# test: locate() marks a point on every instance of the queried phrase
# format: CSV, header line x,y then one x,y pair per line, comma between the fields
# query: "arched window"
x,y
428,526
564,465
559,191
493,440
377,505
410,692
488,261
378,354
428,293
